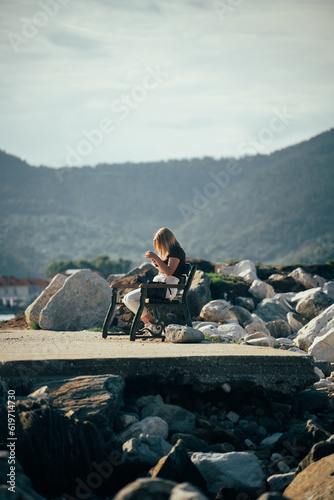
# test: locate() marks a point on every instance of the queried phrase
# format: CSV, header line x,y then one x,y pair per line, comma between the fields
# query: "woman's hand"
x,y
151,255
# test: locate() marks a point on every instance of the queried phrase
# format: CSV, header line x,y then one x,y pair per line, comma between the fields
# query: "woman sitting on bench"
x,y
170,262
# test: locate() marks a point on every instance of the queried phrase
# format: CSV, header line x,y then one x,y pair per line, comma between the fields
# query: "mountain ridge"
x,y
266,207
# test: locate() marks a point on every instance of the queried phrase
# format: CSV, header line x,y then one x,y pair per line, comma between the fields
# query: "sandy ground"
x,y
28,344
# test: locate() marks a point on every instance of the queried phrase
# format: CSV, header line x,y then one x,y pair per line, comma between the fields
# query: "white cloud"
x,y
225,76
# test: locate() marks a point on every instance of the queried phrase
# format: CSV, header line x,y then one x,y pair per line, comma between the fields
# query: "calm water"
x,y
6,317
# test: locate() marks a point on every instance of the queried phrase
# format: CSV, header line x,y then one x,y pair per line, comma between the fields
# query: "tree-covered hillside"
x,y
274,208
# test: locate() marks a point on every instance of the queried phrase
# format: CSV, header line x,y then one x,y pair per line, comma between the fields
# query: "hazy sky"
x,y
86,82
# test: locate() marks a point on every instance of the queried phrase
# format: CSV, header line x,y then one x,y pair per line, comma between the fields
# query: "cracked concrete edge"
x,y
283,375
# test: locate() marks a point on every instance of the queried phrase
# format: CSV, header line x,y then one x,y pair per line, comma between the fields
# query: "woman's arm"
x,y
169,268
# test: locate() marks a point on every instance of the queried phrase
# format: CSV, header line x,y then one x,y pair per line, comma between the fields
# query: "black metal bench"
x,y
159,308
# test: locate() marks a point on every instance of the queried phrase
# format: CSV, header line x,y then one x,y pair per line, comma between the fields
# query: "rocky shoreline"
x,y
99,437
105,437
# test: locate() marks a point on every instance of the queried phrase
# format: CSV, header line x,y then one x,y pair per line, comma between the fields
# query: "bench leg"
x,y
138,315
187,314
110,314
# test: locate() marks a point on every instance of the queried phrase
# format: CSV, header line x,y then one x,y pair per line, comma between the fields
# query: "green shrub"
x,y
231,285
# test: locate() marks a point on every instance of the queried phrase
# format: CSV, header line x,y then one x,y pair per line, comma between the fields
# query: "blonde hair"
x,y
163,241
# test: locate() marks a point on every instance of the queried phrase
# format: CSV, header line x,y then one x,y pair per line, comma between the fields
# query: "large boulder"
x,y
93,398
300,438
55,451
199,293
279,328
284,284
178,419
241,315
233,330
261,290
307,279
237,470
322,347
312,305
81,303
154,426
155,488
145,449
316,481
216,310
318,451
177,466
256,327
245,269
33,311
318,326
179,334
328,288
19,485
295,321
272,309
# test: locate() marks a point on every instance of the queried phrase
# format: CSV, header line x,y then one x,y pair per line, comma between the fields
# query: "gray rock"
x,y
177,418
300,438
183,334
237,470
257,326
295,321
278,482
186,491
263,342
317,452
81,303
199,293
192,443
272,309
246,303
322,347
177,466
279,328
150,399
312,401
261,290
233,329
145,449
241,314
216,310
312,305
54,449
146,489
307,279
159,489
325,367
270,441
328,288
318,326
272,495
33,311
256,335
245,269
123,421
154,426
93,398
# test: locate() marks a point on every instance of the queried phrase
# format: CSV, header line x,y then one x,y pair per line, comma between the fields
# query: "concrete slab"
x,y
36,353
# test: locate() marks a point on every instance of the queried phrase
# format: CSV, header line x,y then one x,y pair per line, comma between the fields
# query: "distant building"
x,y
20,292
